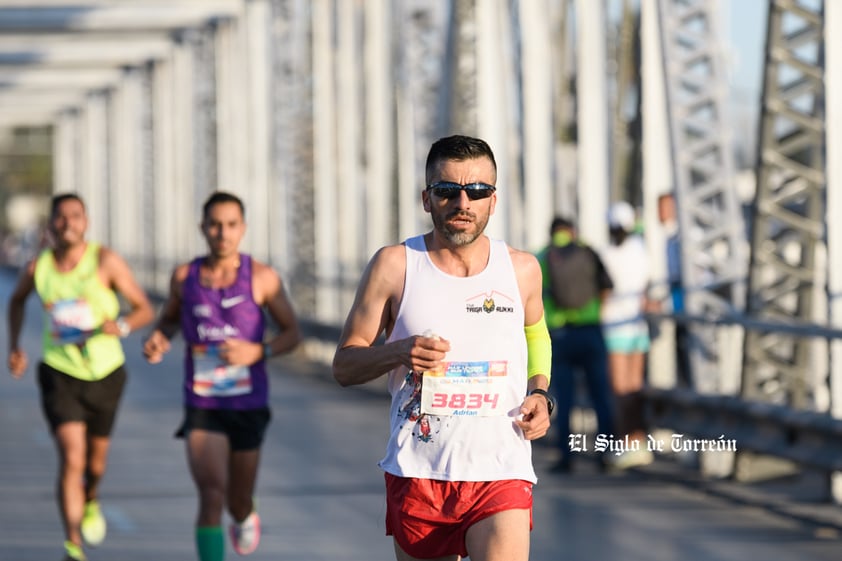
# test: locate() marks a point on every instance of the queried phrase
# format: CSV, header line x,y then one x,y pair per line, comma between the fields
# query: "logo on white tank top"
x,y
490,302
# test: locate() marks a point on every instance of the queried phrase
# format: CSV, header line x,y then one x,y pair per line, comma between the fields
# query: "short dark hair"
x,y
218,197
56,201
459,148
561,222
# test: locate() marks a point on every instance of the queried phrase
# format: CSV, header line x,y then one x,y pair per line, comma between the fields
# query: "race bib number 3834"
x,y
468,389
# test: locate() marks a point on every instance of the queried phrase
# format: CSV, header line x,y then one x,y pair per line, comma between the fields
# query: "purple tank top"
x,y
209,316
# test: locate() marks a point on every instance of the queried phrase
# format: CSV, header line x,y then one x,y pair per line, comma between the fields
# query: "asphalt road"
x,y
321,494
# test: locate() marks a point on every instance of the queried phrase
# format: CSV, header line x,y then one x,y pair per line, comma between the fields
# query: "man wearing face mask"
x,y
575,285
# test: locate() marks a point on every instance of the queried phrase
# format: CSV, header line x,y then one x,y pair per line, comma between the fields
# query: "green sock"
x,y
210,542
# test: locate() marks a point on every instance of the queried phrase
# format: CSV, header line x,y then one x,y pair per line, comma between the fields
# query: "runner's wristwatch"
x,y
550,399
123,327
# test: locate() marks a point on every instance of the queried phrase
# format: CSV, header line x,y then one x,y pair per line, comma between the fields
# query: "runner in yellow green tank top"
x,y
82,374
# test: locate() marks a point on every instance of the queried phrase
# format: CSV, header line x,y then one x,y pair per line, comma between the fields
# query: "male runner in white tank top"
x,y
467,354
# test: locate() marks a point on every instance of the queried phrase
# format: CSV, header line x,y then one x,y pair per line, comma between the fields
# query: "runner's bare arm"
x,y
528,272
536,419
118,275
18,360
169,320
274,297
268,291
358,359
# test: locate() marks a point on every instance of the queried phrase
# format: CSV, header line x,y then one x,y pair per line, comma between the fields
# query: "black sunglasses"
x,y
449,190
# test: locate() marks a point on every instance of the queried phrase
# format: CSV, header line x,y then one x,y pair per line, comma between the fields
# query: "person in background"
x,y
217,302
456,306
82,373
669,221
626,330
575,284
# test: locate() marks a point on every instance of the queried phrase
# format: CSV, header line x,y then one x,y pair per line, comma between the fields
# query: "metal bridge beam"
x,y
786,278
709,217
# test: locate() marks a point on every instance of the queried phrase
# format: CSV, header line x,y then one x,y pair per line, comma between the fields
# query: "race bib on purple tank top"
x,y
213,378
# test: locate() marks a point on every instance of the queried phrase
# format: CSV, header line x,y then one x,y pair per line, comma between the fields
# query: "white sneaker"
x,y
245,536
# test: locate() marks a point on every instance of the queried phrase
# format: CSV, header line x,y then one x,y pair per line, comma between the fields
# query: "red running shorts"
x,y
429,518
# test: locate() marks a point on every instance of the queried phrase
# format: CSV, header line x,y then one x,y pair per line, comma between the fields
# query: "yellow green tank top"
x,y
76,304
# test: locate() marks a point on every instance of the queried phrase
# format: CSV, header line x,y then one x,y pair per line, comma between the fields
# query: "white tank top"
x,y
466,430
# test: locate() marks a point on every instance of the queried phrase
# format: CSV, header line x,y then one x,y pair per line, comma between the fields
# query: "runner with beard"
x,y
467,355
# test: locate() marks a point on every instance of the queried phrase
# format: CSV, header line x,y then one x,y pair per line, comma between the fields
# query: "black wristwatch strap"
x,y
550,399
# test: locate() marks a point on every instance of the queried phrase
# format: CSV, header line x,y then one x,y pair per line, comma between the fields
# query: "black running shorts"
x,y
65,399
245,429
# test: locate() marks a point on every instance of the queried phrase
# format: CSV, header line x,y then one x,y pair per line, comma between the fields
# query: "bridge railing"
x,y
807,437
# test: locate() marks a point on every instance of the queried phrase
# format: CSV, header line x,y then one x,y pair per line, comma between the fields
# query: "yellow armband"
x,y
539,349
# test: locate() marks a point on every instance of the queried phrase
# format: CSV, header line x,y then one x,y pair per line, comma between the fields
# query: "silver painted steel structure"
x,y
713,261
154,103
319,114
788,274
833,145
657,179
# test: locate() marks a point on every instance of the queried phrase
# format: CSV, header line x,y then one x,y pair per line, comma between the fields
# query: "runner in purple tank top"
x,y
217,303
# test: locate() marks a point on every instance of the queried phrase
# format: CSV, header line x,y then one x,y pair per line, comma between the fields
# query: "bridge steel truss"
x,y
787,277
709,217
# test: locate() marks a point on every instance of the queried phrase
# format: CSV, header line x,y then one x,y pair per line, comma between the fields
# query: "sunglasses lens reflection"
x,y
449,191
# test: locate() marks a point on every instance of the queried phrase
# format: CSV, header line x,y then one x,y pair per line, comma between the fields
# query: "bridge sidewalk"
x,y
321,492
